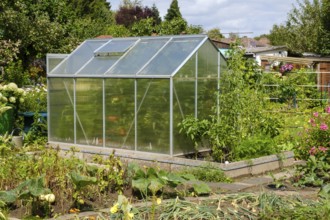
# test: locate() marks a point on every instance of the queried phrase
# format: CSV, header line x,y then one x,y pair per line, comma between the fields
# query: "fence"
x,y
298,95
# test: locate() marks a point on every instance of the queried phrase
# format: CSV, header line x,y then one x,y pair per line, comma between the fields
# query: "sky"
x,y
230,16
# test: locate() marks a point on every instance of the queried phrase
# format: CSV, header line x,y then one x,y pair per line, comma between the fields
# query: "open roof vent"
x,y
114,48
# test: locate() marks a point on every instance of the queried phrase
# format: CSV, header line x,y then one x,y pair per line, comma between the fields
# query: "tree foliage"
x,y
305,29
173,12
215,34
324,36
130,13
50,26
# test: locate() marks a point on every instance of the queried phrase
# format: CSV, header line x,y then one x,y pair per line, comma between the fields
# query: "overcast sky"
x,y
257,16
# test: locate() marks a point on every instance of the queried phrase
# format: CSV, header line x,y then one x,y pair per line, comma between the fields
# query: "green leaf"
x,y
175,179
141,185
139,174
325,191
151,172
188,176
32,188
155,185
8,196
81,181
201,189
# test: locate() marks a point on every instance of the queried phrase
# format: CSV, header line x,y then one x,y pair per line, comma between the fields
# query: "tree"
x,y
305,29
144,27
324,36
173,12
49,26
130,13
173,27
131,3
194,29
155,15
215,34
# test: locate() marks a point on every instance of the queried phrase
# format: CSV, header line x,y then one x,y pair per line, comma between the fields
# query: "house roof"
x,y
264,49
155,56
304,61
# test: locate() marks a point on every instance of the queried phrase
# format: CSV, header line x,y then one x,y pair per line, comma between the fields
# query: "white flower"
x,y
20,91
21,100
12,87
4,99
12,99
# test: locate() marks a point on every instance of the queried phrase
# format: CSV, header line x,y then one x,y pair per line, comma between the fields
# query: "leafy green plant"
x,y
255,146
195,129
152,181
110,173
35,99
31,192
122,209
80,182
207,173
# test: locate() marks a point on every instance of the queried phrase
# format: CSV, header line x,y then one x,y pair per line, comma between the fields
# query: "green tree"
x,y
173,12
194,29
215,34
324,36
144,27
306,28
50,26
155,15
173,27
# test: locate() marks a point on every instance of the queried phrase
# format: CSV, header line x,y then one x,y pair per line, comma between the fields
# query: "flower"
x,y
158,201
323,149
323,127
286,68
114,208
327,109
12,86
12,99
316,114
312,151
130,215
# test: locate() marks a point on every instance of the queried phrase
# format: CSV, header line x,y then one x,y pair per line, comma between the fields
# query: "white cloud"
x,y
257,16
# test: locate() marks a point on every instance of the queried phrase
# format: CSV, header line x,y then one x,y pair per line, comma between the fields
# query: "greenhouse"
x,y
131,93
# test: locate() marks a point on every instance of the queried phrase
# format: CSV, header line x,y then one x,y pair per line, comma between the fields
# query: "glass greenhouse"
x,y
131,93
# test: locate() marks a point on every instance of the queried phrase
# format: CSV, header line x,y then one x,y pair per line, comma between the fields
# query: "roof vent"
x,y
114,48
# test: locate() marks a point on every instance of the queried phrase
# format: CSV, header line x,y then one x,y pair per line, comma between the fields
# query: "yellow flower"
x,y
158,201
131,215
114,208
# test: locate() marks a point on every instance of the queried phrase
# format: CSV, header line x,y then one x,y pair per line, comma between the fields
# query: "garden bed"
x,y
234,169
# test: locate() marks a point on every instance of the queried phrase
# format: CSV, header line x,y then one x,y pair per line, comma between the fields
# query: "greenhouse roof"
x,y
144,57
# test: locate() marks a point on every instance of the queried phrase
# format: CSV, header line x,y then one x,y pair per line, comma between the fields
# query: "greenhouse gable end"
x,y
131,93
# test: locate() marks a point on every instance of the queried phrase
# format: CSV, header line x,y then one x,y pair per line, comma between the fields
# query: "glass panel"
x,y
183,105
89,121
98,66
172,56
135,59
60,117
120,126
52,62
79,57
207,79
153,115
116,45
